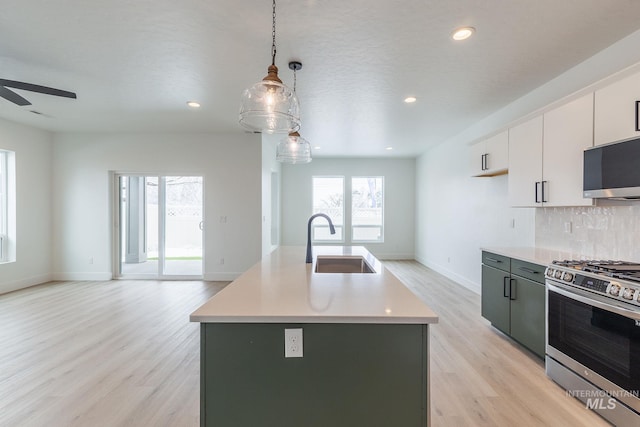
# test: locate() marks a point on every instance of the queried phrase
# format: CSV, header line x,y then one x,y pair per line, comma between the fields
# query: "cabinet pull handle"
x,y
493,260
543,185
482,162
504,287
486,161
512,294
637,118
537,198
528,270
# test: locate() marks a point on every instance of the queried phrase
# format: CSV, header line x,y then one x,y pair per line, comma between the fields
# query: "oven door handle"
x,y
594,302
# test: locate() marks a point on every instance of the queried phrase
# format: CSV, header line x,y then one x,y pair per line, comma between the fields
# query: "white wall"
x,y
270,166
83,196
399,193
33,206
457,214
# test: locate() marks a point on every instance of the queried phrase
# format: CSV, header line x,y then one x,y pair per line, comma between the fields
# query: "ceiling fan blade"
x,y
37,88
10,95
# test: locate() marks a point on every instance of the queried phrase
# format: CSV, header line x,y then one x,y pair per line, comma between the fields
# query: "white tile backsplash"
x,y
608,231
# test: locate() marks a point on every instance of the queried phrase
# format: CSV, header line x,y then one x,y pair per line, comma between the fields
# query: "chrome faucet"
x,y
331,229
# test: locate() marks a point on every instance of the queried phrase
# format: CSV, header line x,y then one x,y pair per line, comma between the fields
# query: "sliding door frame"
x,y
116,235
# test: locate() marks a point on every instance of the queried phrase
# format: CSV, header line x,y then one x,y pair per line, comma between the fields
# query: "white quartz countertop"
x,y
534,255
282,288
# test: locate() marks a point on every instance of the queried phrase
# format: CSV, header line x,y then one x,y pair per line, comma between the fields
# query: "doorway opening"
x,y
160,228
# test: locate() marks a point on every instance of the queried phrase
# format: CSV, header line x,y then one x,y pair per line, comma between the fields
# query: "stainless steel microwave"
x,y
612,171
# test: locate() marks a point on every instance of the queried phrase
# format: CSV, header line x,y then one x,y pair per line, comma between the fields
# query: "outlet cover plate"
x,y
293,342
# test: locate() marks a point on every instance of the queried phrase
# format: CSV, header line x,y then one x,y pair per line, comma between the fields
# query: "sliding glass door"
x,y
160,227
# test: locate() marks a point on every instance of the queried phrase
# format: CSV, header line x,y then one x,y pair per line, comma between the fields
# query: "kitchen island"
x,y
358,346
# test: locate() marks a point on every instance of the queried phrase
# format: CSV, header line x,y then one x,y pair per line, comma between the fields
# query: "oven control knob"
x,y
558,274
550,272
568,277
615,289
628,293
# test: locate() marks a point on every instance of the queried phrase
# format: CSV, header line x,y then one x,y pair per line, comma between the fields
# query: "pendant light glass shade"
x,y
294,149
270,106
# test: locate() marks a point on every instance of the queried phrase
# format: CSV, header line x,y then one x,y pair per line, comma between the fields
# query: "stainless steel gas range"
x,y
593,335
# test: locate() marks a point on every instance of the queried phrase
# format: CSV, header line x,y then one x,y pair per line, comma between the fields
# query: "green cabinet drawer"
x,y
528,270
496,261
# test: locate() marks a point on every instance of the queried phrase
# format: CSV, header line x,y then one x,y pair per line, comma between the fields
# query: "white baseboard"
x,y
463,281
214,277
24,283
99,276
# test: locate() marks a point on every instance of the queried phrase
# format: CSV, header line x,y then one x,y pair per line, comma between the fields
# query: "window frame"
x,y
347,227
324,224
353,210
4,206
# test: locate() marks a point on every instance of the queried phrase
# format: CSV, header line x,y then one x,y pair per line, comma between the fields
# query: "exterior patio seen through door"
x,y
161,227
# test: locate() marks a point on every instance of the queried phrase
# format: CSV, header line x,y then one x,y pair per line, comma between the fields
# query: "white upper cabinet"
x,y
490,157
568,131
525,164
546,156
616,113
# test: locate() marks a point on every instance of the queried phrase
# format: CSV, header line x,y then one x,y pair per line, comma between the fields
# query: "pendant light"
x,y
294,148
269,105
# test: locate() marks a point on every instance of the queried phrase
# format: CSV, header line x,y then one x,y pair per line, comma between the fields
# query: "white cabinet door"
x,y
490,157
477,159
525,164
568,131
497,159
615,111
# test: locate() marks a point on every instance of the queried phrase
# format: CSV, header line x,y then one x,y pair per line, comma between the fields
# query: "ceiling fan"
x,y
10,95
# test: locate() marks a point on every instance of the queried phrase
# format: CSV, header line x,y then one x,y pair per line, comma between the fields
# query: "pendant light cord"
x,y
273,35
294,81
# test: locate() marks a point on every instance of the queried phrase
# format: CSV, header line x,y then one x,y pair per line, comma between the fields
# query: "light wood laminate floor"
x,y
480,377
123,353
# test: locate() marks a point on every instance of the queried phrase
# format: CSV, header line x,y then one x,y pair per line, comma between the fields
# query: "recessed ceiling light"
x,y
389,148
193,104
463,33
317,147
410,99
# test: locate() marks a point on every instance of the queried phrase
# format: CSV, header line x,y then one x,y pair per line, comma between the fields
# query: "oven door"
x,y
598,340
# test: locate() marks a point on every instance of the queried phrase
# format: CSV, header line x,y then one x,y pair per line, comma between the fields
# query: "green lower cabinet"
x,y
495,302
513,299
528,314
350,375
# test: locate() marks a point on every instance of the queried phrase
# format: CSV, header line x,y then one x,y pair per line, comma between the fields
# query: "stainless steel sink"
x,y
342,264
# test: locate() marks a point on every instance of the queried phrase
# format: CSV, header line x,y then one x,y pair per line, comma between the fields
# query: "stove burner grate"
x,y
611,268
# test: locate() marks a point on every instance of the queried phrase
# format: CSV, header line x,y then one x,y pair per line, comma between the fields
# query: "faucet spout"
x,y
331,229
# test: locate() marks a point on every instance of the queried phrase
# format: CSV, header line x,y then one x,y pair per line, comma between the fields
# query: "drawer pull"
x,y
493,260
528,270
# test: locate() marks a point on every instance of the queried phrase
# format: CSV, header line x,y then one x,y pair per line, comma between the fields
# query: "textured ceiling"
x,y
135,64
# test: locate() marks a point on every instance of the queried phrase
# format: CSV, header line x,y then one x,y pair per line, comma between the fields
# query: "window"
x,y
4,205
328,198
367,202
364,201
